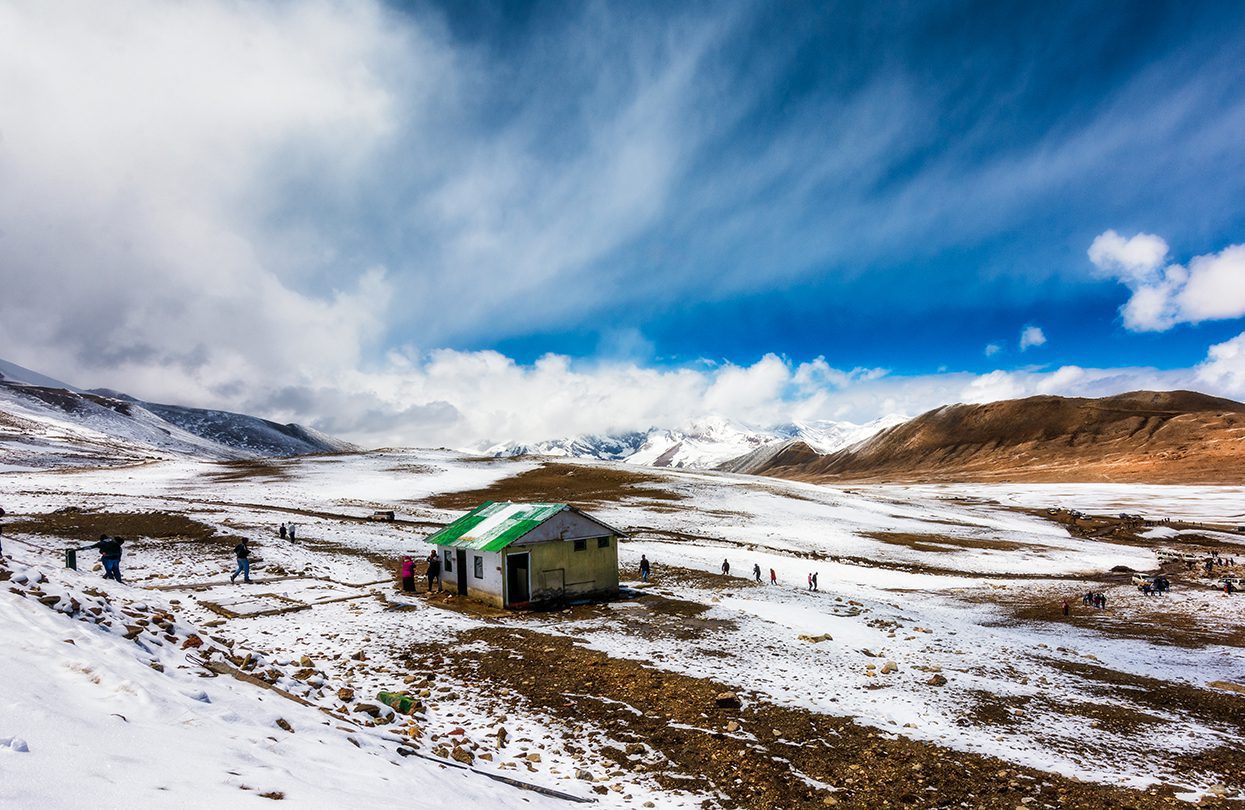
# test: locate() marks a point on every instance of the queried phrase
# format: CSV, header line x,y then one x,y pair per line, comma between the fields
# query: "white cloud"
x,y
143,143
1212,287
1031,336
1224,368
992,349
1137,258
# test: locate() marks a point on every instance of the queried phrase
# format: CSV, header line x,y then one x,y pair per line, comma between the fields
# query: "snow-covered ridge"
x,y
704,443
47,423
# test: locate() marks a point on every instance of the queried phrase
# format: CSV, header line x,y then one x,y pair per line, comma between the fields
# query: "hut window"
x,y
581,545
449,562
479,566
603,542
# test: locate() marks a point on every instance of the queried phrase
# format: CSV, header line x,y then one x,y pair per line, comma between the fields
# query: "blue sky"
x,y
883,185
383,218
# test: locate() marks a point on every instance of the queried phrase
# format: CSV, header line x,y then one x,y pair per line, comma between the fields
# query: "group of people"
x,y
646,569
1157,586
289,530
433,572
1094,599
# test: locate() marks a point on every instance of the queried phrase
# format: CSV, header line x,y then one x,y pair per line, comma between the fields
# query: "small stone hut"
x,y
526,555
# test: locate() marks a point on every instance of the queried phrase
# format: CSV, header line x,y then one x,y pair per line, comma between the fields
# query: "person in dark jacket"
x,y
243,553
434,570
644,567
756,571
109,555
283,532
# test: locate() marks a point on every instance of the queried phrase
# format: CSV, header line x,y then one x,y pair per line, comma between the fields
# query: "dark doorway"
x,y
517,589
462,572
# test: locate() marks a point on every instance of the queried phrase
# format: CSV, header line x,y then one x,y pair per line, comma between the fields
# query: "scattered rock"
x,y
284,725
345,694
727,700
889,667
815,639
192,641
367,708
460,754
937,680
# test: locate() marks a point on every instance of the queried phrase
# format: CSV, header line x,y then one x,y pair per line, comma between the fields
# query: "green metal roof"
x,y
493,526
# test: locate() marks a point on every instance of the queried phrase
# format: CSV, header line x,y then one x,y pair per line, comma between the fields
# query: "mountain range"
x,y
1158,437
703,444
48,423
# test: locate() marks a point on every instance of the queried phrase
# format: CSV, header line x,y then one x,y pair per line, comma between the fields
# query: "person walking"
x,y
434,570
109,555
408,575
243,552
756,572
726,568
773,578
644,567
283,531
810,580
814,581
291,530
1065,607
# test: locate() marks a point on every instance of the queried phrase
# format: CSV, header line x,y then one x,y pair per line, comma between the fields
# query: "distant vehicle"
x,y
1168,555
383,516
1236,582
1143,579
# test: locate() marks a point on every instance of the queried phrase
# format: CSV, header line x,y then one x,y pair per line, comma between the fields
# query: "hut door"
x,y
462,572
516,579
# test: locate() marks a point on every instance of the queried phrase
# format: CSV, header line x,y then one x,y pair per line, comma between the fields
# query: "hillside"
x,y
1143,436
47,423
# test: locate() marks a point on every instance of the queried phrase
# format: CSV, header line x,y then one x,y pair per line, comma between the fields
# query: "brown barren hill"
x,y
1170,437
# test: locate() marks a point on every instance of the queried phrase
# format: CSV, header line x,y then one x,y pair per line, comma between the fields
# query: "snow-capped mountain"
x,y
702,444
47,423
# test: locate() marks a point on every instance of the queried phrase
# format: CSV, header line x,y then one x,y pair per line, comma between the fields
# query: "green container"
x,y
400,703
71,558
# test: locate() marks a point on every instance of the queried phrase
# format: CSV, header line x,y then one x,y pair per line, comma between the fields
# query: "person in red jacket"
x,y
408,575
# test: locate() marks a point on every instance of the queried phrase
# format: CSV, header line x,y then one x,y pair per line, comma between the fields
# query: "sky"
x,y
448,223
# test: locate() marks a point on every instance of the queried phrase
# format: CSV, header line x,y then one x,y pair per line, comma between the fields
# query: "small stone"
x,y
727,700
284,725
460,754
345,694
732,726
533,757
937,680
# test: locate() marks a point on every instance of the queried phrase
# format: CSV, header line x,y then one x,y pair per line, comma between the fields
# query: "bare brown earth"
x,y
80,525
566,483
758,755
1176,437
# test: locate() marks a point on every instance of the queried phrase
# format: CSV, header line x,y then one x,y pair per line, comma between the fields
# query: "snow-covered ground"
x,y
929,579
